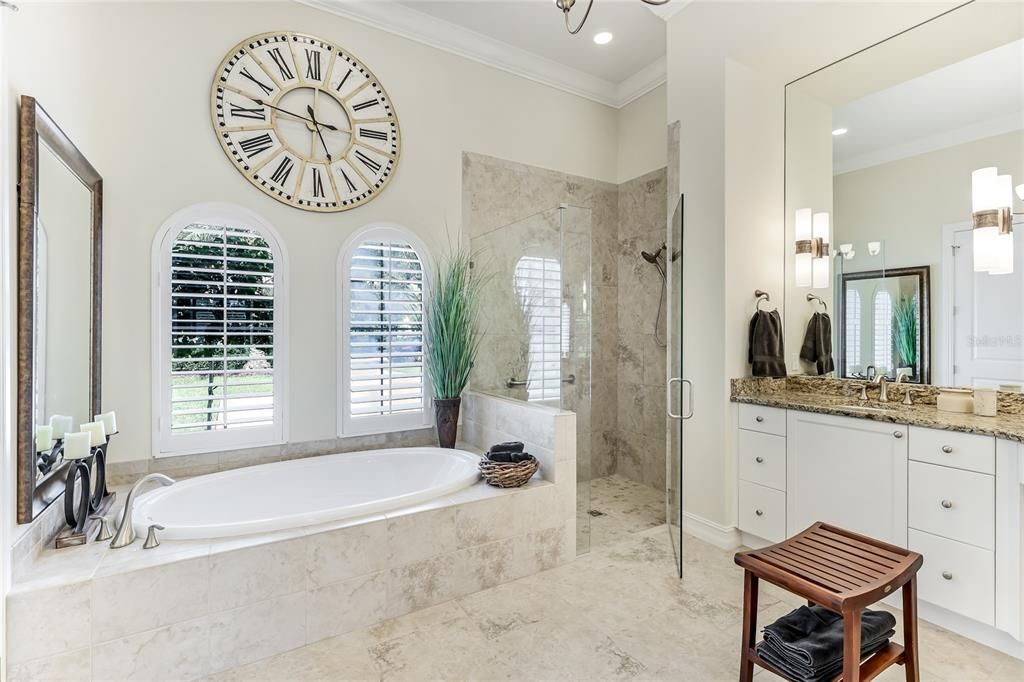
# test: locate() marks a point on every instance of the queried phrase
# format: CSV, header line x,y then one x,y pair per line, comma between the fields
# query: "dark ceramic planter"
x,y
446,416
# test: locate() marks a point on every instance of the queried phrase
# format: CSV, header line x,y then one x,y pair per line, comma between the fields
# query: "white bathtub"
x,y
303,492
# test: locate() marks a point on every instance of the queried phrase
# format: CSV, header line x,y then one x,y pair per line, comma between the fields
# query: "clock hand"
x,y
309,110
294,115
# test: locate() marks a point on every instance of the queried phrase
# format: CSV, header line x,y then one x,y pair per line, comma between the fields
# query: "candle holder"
x,y
48,461
90,473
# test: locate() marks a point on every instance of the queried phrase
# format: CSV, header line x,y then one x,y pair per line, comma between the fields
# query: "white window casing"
x,y
220,328
383,281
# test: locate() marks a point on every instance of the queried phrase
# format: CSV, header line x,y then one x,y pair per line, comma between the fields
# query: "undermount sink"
x,y
864,408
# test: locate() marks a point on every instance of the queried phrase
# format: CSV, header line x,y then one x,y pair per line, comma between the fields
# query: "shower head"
x,y
652,258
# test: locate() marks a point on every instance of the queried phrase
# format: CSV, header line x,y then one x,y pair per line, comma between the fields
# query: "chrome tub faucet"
x,y
126,531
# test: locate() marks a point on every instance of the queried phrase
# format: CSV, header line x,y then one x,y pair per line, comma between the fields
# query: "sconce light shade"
x,y
820,264
802,261
991,203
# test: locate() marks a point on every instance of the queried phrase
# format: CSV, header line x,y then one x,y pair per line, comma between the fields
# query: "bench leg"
x,y
749,626
910,656
851,646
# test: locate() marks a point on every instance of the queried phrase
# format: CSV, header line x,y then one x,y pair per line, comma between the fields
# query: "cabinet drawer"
x,y
762,511
954,504
764,419
953,449
956,576
762,459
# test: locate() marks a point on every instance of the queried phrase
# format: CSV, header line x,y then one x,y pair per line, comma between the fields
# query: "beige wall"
x,y
641,139
138,107
906,203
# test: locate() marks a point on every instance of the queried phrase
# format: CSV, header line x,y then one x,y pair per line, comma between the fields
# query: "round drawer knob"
x,y
897,434
759,460
947,449
759,419
947,504
946,575
759,512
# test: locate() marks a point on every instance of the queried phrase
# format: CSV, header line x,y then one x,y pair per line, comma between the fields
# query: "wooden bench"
x,y
844,572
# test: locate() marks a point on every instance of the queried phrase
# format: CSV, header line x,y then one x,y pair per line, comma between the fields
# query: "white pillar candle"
x,y
97,434
76,445
44,438
109,420
60,424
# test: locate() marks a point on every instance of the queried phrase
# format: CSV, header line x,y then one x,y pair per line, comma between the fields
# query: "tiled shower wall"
x,y
627,393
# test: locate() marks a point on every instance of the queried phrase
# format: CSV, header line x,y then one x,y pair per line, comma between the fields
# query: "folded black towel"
x,y
813,635
766,351
511,446
768,653
817,345
509,457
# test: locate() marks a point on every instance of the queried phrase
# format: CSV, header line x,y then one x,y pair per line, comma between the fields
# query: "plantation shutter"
x,y
853,340
385,334
222,330
538,282
883,331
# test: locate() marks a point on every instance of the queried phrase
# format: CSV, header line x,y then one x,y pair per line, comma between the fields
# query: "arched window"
x,y
538,283
219,321
382,374
853,340
883,331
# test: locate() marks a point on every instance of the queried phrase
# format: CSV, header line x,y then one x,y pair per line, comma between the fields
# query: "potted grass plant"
x,y
904,334
452,337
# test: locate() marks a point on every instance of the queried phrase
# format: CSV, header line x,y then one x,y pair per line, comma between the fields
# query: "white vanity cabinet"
x,y
848,472
761,493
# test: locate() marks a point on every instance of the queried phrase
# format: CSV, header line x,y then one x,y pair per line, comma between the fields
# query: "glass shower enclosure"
x,y
537,324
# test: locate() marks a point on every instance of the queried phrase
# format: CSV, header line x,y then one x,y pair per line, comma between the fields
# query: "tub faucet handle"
x,y
105,532
151,540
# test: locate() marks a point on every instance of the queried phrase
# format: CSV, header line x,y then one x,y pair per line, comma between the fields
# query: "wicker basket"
x,y
508,474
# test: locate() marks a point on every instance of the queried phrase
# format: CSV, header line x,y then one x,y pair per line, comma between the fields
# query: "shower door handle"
x,y
668,398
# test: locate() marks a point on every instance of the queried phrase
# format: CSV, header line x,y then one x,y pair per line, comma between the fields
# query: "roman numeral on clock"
x,y
364,105
348,181
372,134
341,83
256,145
283,170
245,112
267,89
282,64
313,64
368,162
318,185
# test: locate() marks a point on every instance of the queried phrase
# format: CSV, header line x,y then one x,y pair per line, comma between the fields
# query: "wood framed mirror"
x,y
60,257
885,324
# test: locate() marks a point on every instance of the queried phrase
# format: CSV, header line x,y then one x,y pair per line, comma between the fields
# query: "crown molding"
x,y
443,35
669,9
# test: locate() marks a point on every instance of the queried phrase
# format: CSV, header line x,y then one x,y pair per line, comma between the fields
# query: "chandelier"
x,y
566,5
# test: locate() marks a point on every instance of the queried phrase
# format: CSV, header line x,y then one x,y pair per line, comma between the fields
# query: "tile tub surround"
x,y
827,396
188,609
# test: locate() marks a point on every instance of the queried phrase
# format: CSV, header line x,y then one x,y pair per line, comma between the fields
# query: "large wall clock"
x,y
305,121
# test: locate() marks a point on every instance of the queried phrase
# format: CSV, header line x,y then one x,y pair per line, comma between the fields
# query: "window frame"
x,y
346,424
165,443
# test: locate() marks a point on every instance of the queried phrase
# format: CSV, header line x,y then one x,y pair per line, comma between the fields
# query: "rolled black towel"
x,y
512,446
813,635
509,457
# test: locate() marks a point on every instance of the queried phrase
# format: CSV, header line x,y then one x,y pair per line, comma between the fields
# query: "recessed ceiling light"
x,y
840,131
603,38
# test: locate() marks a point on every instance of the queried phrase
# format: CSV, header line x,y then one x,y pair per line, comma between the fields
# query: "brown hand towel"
x,y
766,353
817,346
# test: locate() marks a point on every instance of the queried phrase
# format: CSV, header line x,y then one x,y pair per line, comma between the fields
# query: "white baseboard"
x,y
724,537
971,629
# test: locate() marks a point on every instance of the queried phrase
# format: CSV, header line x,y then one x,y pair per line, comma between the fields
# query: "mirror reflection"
x,y
63,302
900,205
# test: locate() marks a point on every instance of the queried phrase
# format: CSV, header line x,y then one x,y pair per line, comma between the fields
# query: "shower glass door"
x,y
679,400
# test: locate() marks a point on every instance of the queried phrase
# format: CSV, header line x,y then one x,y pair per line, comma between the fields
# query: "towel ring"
x,y
819,299
762,296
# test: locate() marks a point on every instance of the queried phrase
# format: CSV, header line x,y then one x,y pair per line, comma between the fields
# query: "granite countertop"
x,y
843,400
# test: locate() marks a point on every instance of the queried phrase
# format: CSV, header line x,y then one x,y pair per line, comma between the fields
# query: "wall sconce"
x,y
874,248
846,250
991,204
811,263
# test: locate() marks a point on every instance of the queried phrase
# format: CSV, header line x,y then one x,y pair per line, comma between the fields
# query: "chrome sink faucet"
x,y
126,531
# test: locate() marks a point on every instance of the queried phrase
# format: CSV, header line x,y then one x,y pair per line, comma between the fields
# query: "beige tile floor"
x,y
618,612
625,507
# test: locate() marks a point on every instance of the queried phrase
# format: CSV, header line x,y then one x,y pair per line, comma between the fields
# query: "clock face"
x,y
305,121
